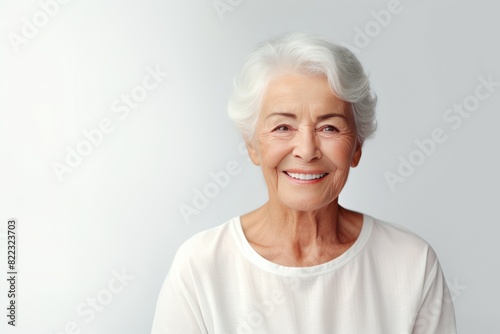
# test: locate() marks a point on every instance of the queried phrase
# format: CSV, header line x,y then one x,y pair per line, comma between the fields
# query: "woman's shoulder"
x,y
387,229
398,240
206,245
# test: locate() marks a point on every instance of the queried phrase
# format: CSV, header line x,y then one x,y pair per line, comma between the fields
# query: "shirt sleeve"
x,y
177,309
436,314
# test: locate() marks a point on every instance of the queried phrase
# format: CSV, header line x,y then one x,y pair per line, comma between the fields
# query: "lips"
x,y
306,176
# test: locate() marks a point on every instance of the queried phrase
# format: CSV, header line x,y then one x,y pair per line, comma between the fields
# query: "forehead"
x,y
294,92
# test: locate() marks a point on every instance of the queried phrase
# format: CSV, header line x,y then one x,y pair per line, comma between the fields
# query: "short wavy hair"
x,y
302,53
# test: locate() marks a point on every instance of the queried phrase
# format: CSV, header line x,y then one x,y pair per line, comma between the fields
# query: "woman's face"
x,y
305,142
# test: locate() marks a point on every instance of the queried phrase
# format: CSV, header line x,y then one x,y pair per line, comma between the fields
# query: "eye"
x,y
328,128
282,128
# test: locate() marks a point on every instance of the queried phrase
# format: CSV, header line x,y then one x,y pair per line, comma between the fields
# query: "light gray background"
x,y
120,208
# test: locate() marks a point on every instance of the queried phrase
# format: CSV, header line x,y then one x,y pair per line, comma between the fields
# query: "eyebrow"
x,y
293,116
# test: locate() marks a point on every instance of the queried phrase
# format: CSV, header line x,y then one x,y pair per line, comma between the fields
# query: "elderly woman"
x,y
301,263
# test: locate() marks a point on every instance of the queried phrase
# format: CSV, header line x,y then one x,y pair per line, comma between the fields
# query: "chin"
x,y
300,203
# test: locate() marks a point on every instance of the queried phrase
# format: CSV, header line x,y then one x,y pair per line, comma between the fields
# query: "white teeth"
x,y
306,176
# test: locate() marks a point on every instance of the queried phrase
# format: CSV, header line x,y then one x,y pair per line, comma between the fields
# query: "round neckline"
x,y
251,254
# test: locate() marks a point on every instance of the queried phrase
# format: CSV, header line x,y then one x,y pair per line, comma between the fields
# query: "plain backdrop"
x,y
66,69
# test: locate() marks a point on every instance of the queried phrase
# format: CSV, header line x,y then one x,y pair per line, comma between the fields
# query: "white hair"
x,y
307,54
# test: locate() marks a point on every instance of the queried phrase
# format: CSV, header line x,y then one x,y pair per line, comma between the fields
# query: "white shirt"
x,y
388,281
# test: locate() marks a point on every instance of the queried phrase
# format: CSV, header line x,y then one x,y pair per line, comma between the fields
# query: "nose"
x,y
306,145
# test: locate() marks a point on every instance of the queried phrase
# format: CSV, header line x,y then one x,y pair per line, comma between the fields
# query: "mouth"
x,y
306,176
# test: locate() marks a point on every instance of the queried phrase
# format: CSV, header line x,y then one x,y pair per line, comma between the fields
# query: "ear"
x,y
253,152
356,156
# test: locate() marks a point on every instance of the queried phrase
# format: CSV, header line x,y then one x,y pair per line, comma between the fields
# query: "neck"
x,y
303,227
309,237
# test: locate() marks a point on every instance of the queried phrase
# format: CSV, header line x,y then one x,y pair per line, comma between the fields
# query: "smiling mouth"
x,y
306,177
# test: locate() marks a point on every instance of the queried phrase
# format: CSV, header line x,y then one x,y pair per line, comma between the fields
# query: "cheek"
x,y
339,153
273,152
